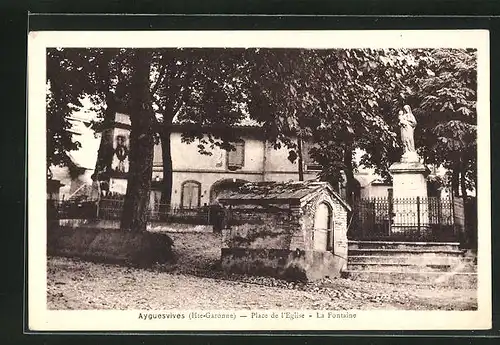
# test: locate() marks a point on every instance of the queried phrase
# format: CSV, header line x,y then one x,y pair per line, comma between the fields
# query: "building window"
x,y
323,228
236,157
190,194
309,163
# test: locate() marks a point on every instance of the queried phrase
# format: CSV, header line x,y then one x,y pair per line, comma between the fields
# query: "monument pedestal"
x,y
409,179
409,186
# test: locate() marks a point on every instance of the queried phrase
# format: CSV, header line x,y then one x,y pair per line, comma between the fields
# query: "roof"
x,y
123,119
278,192
244,122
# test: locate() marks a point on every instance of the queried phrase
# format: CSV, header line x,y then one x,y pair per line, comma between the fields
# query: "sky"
x,y
86,156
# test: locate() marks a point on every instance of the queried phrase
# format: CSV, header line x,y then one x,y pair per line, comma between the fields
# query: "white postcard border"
x,y
42,319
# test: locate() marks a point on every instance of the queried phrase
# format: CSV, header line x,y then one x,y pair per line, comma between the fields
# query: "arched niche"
x,y
323,227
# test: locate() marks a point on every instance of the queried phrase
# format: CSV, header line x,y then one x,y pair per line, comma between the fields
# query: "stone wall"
x,y
281,263
108,245
257,227
278,240
340,235
151,226
339,214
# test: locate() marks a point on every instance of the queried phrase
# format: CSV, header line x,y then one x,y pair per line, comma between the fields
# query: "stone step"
x,y
405,252
410,259
398,267
451,279
403,245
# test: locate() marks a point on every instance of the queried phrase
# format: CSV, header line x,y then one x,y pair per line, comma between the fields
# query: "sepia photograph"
x,y
259,180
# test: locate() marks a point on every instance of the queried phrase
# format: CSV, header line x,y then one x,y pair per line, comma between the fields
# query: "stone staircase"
x,y
423,263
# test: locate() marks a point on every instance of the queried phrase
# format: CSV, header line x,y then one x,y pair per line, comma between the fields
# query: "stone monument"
x,y
409,175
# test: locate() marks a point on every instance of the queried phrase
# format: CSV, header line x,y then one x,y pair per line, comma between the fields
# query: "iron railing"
x,y
111,209
426,219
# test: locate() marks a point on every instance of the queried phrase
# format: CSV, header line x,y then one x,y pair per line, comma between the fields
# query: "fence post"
x,y
418,214
390,196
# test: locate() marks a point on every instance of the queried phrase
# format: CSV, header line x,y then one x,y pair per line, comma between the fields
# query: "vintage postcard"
x,y
258,180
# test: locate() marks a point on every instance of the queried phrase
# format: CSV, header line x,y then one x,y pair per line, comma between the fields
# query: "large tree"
x,y
64,87
191,85
142,119
341,100
109,78
336,98
200,89
443,91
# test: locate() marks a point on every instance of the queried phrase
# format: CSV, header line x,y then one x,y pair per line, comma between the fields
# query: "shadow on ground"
x,y
195,252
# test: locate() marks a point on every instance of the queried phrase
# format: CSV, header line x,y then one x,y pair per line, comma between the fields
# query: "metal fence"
x,y
111,209
426,219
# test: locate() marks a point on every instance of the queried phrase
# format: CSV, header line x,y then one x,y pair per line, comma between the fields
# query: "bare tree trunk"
x,y
455,180
105,151
300,159
463,187
166,153
134,215
349,192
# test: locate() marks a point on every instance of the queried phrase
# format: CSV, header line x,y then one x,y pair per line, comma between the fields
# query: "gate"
x,y
404,219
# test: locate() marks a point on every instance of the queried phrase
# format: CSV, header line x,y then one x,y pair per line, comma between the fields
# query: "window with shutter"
x,y
236,157
191,194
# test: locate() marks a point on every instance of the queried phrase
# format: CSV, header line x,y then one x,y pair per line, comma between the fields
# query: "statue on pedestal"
x,y
407,122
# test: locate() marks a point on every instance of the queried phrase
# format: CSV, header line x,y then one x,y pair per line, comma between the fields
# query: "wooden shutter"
x,y
236,157
190,195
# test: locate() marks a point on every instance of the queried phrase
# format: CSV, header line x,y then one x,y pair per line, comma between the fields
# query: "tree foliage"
x,y
347,99
112,79
339,99
62,99
443,91
201,90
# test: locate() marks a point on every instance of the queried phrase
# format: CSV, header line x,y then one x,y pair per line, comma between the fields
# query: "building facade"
x,y
198,178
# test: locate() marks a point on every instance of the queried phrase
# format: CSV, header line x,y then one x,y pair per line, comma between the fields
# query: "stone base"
x,y
409,179
459,280
409,183
410,157
408,167
282,263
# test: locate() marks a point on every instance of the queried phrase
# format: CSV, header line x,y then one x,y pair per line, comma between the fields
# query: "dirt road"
x,y
194,282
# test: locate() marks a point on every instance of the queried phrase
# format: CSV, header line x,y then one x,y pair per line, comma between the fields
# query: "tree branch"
x,y
155,123
161,76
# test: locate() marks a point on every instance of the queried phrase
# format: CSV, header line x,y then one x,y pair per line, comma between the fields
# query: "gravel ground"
x,y
194,282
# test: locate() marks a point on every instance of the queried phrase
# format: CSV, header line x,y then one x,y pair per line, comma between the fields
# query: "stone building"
x,y
198,179
292,230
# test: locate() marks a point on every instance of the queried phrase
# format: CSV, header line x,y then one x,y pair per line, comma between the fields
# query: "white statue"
x,y
407,122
